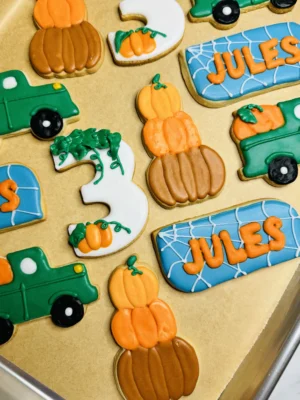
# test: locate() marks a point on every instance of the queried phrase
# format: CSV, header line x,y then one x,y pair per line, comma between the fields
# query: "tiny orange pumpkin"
x,y
137,43
95,238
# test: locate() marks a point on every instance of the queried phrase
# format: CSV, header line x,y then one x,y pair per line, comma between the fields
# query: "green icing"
x,y
257,151
19,104
79,143
31,296
130,264
77,235
79,232
245,113
157,83
122,35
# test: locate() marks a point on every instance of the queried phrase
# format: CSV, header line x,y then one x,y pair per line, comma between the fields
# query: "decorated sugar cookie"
x,y
65,45
154,363
183,170
228,69
224,14
21,200
268,139
203,252
43,110
112,185
30,289
164,29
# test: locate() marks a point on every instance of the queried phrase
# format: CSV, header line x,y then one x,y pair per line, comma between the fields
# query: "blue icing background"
x,y
29,192
200,61
174,250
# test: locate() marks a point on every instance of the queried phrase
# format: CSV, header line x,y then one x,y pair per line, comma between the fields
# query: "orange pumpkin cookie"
x,y
153,362
183,171
65,45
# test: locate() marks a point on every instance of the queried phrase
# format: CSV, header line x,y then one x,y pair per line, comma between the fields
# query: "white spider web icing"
x,y
175,240
200,60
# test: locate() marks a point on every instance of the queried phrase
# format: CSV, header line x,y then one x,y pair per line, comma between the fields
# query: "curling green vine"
x,y
79,143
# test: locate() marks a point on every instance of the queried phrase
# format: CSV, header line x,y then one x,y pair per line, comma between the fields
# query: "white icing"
x,y
46,124
165,16
284,170
28,266
10,82
127,202
297,111
69,312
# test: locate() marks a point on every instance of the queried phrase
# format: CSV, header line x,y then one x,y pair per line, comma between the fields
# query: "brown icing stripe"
x,y
157,375
67,50
140,367
187,176
169,370
126,378
189,364
158,184
173,178
216,168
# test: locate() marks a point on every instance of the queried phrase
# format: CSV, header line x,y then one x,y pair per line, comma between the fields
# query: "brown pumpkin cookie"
x,y
183,170
154,363
65,45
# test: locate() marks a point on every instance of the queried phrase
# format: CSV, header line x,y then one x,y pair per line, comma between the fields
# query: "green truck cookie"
x,y
41,109
30,289
224,13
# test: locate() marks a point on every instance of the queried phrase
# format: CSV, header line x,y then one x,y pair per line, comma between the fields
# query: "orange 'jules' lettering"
x,y
253,247
7,190
242,58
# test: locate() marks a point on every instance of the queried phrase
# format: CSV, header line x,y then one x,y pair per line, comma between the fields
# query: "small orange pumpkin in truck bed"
x,y
267,119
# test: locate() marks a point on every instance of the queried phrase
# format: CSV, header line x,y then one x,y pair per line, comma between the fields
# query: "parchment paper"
x,y
222,323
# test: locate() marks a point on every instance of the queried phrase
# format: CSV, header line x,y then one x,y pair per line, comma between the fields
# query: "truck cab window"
x,y
10,83
28,266
297,111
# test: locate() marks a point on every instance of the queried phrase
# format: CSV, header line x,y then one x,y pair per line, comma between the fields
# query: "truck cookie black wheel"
x,y
226,12
6,330
283,170
46,124
283,4
67,311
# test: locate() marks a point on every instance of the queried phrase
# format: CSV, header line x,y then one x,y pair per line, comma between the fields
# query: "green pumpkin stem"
x,y
130,263
157,83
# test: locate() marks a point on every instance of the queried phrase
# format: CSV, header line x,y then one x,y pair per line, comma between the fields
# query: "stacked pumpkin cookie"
x,y
183,170
66,44
154,363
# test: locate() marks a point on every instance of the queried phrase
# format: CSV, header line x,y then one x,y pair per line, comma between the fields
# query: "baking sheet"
x,y
222,323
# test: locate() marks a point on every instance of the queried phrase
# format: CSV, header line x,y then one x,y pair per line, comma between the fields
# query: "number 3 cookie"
x,y
112,185
162,33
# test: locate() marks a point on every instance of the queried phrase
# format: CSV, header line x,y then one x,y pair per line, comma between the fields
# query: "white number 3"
x,y
112,185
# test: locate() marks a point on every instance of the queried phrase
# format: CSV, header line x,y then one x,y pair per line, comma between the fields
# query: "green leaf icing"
x,y
79,232
122,35
245,113
79,143
157,83
130,263
77,235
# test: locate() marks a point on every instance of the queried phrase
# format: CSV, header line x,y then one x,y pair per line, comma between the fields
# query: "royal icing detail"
x,y
65,44
203,252
162,33
30,289
112,185
183,170
20,197
153,362
224,14
268,139
43,110
231,67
